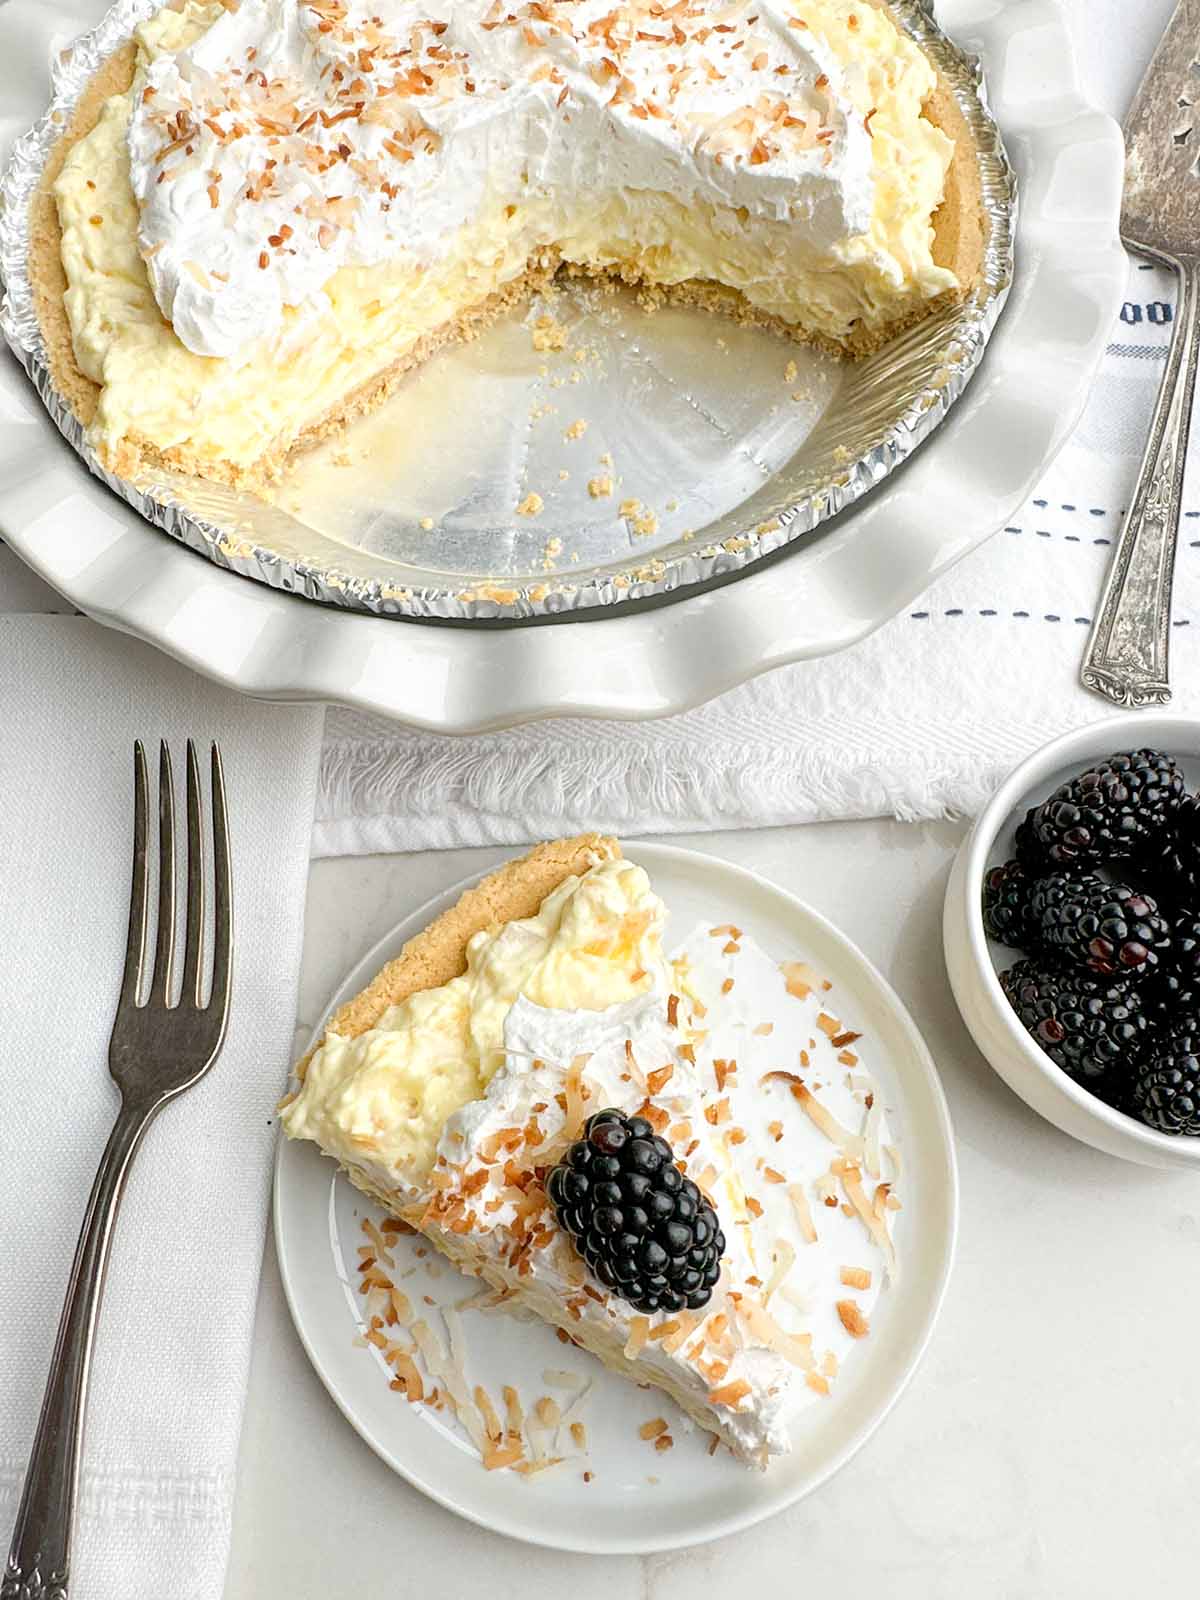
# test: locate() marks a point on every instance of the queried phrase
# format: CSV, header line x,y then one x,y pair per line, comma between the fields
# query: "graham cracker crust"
x,y
439,952
959,228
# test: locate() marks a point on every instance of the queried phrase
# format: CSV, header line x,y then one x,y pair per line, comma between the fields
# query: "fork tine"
x,y
135,944
194,946
164,947
222,895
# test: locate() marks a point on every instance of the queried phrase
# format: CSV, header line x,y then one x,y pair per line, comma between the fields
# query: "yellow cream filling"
x,y
155,389
385,1095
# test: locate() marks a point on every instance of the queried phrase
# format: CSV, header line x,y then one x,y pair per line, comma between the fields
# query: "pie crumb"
x,y
548,334
531,506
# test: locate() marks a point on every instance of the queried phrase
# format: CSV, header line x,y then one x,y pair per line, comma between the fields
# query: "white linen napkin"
x,y
175,1329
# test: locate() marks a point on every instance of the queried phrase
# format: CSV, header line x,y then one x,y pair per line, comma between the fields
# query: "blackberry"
x,y
1090,1028
1172,861
1006,905
1105,927
645,1230
1175,990
1026,848
1166,1087
1109,812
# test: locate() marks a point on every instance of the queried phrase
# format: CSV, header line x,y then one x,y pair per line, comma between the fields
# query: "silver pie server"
x,y
1127,653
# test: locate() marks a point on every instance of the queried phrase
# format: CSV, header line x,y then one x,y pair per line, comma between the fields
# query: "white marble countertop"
x,y
1047,1447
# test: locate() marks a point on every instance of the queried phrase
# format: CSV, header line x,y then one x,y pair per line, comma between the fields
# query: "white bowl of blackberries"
x,y
1072,932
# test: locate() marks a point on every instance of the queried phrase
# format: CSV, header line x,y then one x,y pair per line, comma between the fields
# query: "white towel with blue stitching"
x,y
919,720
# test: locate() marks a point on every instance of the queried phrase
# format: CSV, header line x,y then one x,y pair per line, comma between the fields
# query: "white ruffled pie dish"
x,y
843,581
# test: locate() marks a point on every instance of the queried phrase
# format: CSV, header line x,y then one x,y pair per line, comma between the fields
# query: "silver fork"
x,y
156,1051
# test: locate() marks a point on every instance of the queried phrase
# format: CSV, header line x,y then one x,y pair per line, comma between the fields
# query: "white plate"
x,y
697,1497
981,464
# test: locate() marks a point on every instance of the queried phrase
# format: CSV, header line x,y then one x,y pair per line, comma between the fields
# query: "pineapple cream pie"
x,y
264,211
682,1164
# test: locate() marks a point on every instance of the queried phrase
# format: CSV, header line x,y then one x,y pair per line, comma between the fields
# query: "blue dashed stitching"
x,y
1022,616
1044,533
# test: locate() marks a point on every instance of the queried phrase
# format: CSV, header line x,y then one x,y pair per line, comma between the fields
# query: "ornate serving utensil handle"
x,y
1128,651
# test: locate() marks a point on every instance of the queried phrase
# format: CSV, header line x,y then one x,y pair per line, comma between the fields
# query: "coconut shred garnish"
x,y
292,139
766,1096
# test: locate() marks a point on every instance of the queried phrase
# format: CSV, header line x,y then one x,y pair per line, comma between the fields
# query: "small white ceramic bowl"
x,y
974,961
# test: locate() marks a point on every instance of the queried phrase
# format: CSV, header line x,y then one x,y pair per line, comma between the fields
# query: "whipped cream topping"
x,y
595,941
290,140
764,1093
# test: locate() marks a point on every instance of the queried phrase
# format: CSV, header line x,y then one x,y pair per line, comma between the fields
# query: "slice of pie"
x,y
727,1242
263,212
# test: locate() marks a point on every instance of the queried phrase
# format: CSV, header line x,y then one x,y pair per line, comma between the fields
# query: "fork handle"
x,y
39,1559
1127,653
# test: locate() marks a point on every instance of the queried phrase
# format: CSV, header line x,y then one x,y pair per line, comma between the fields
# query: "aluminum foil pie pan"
x,y
584,452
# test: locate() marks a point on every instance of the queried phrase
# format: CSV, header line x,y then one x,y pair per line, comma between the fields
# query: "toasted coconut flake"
x,y
656,1081
685,1324
851,1179
770,1174
382,1247
815,1381
507,1456
487,1414
577,1096
723,1070
855,1277
672,1010
793,1347
653,1429
514,1413
664,1442
850,1144
851,1317
780,1076
731,1394
870,1137
579,1435
783,1259
547,1412
407,1377
798,978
